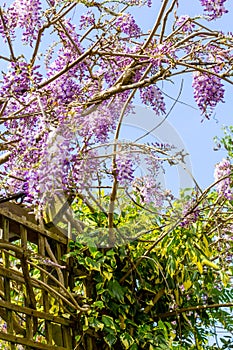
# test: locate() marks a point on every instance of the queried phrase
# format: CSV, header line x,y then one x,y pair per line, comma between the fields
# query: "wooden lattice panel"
x,y
35,301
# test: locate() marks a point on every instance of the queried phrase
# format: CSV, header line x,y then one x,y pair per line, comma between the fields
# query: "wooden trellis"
x,y
35,302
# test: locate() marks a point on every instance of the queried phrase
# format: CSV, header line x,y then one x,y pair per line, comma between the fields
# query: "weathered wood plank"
x,y
16,276
6,282
32,312
17,224
9,210
34,345
45,301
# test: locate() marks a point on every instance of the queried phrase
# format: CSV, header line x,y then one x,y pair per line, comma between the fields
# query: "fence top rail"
x,y
32,344
39,314
19,215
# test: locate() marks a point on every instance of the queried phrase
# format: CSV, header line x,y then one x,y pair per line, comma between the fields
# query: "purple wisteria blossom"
x,y
67,87
208,92
83,169
162,53
224,187
126,23
19,79
189,214
149,190
228,229
87,20
98,124
214,8
152,96
124,168
26,14
8,23
185,23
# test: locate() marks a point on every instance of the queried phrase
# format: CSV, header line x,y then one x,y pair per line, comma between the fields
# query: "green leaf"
x,y
224,278
126,340
95,253
77,338
91,264
210,264
187,284
98,304
110,339
116,290
86,324
97,324
199,266
108,322
110,252
100,288
107,275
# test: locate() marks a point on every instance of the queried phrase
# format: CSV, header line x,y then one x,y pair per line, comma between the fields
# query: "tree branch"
x,y
193,308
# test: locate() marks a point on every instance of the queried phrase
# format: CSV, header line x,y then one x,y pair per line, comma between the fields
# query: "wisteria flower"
x,y
87,20
214,8
124,168
208,92
19,78
98,124
126,23
190,215
149,190
224,187
162,53
27,15
185,23
152,95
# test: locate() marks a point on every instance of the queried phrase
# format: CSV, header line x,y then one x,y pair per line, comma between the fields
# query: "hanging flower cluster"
x,y
26,14
224,187
189,215
87,20
149,190
124,168
185,23
20,78
208,92
126,24
214,8
162,53
152,96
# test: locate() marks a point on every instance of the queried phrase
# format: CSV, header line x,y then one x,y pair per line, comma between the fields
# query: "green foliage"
x,y
158,292
226,141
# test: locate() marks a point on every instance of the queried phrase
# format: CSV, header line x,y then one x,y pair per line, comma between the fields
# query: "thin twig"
x,y
193,308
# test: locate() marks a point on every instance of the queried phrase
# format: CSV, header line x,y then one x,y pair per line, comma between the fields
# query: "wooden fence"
x,y
36,304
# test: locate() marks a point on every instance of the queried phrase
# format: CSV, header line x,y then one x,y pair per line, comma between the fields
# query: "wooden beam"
x,y
10,211
6,282
32,312
34,345
16,276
